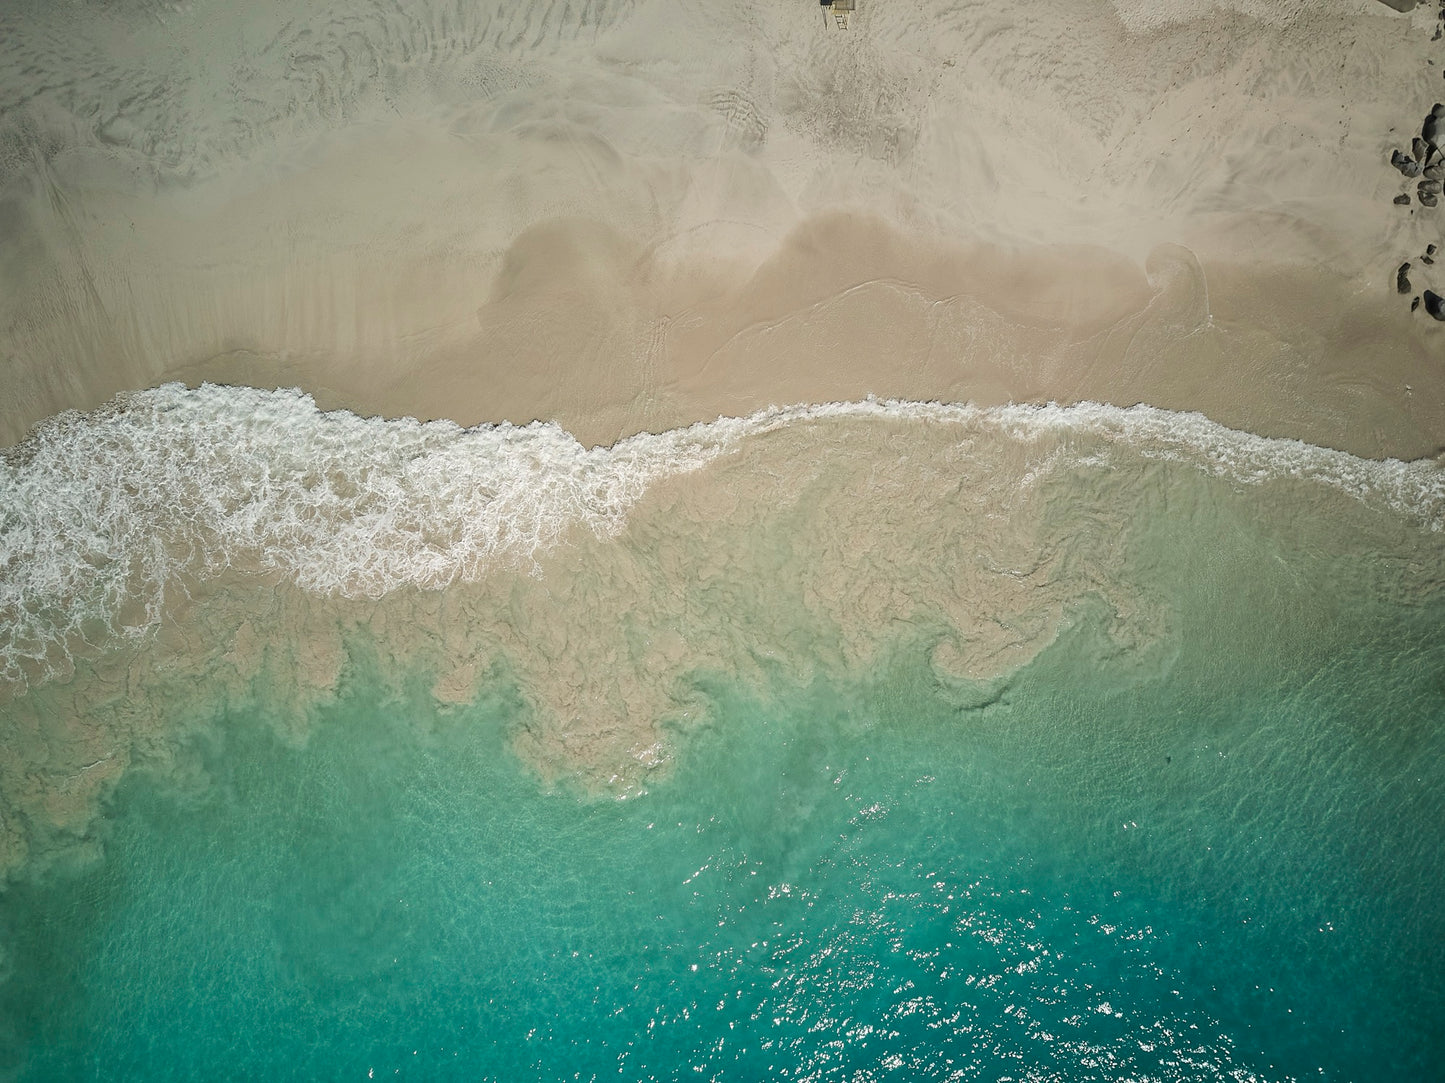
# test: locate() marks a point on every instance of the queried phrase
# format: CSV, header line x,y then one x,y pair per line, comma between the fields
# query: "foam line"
x,y
102,513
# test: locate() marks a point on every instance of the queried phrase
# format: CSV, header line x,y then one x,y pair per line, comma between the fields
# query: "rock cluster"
x,y
1405,164
1434,303
1424,163
1425,158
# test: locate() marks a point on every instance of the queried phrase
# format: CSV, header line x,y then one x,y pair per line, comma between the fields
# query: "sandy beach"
x,y
626,217
643,539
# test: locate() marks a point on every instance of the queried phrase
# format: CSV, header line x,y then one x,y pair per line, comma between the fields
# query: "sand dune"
x,y
623,216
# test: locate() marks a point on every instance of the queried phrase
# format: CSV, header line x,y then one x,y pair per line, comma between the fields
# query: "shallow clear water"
x,y
1209,852
1089,879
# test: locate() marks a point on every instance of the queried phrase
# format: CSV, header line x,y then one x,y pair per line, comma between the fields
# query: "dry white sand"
x,y
625,214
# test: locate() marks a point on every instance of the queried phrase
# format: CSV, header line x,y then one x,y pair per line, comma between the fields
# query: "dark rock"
x,y
1405,164
1428,187
1435,304
1437,110
1427,259
1429,199
1436,171
1403,199
1430,250
1435,36
1419,149
1433,131
1402,278
1414,304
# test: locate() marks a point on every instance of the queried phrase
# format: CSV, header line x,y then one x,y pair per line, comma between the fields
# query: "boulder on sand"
x,y
1405,164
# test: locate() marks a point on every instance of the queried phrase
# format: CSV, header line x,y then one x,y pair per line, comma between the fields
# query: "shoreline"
x,y
256,543
849,307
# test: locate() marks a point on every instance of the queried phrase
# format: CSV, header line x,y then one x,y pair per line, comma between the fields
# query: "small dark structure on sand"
x,y
840,10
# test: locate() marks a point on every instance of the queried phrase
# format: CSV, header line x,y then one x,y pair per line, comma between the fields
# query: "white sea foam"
x,y
102,513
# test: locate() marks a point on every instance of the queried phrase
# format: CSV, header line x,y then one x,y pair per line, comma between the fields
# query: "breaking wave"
x,y
103,514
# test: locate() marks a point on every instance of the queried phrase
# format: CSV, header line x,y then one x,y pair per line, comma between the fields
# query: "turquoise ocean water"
x,y
1217,858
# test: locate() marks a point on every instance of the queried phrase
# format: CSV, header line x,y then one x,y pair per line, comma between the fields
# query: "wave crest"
x,y
102,514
